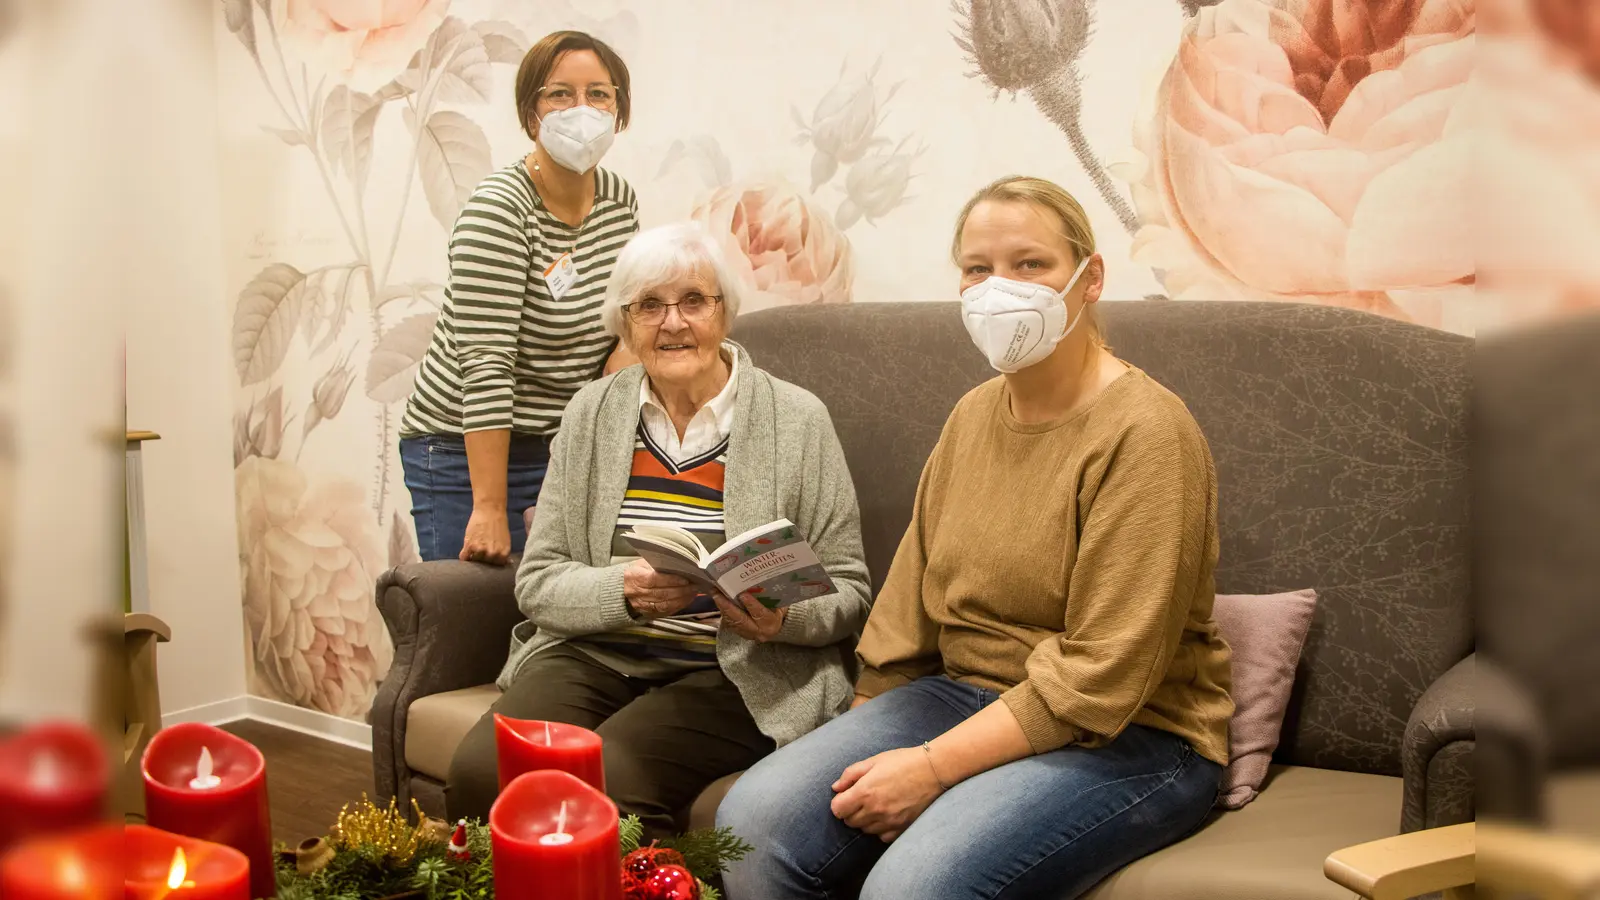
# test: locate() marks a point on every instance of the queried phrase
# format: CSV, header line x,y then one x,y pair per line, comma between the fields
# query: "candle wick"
x,y
561,819
547,739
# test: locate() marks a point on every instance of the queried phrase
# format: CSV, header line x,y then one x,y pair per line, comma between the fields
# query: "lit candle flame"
x,y
180,868
203,777
44,772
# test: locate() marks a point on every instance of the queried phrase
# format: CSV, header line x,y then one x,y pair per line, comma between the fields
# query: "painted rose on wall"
x,y
784,247
367,42
309,558
1539,186
1313,150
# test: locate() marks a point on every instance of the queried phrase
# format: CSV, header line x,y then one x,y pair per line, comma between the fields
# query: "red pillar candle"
x,y
78,865
52,778
160,865
527,745
554,836
203,782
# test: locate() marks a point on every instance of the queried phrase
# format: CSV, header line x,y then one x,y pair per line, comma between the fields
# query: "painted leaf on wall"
x,y
289,136
457,53
402,546
452,157
348,118
420,291
324,298
264,321
393,365
259,430
503,41
241,19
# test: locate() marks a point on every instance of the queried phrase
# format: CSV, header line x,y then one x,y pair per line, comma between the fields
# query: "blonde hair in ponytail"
x,y
1052,199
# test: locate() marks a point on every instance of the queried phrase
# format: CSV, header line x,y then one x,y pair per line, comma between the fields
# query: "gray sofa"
x,y
1341,447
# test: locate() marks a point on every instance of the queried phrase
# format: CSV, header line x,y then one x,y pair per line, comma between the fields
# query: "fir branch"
x,y
630,831
707,892
709,851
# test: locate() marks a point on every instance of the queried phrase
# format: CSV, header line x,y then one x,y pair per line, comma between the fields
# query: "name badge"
x,y
560,276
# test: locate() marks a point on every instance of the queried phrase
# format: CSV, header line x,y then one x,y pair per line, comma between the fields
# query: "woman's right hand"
x,y
653,594
488,538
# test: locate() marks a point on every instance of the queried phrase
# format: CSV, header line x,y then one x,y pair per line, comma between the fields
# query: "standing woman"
x,y
520,331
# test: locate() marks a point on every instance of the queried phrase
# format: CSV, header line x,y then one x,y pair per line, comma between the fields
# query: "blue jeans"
x,y
435,467
1049,826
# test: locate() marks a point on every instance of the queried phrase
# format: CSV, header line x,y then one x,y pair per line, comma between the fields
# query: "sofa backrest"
x,y
1340,440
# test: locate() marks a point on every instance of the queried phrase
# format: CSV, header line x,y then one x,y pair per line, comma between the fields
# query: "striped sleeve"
x,y
489,261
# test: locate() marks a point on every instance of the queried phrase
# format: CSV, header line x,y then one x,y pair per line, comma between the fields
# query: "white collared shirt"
x,y
710,426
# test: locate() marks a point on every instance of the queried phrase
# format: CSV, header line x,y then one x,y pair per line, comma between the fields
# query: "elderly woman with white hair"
x,y
684,688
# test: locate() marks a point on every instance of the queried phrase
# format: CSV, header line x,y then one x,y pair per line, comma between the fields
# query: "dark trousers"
x,y
435,467
665,739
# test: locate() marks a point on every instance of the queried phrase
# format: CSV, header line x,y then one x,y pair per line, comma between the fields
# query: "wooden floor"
x,y
308,778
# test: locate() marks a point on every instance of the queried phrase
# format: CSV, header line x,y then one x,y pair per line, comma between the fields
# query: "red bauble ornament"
x,y
670,883
639,865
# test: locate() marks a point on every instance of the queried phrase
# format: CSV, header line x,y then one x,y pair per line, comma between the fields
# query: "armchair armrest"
x,y
1435,752
1406,865
1539,864
451,624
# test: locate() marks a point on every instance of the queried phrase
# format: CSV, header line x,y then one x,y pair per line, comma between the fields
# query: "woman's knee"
x,y
474,779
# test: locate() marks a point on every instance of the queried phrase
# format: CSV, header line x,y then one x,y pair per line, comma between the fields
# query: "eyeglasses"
x,y
564,96
693,308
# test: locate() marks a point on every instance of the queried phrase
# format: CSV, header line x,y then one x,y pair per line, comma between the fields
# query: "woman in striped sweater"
x,y
520,331
684,688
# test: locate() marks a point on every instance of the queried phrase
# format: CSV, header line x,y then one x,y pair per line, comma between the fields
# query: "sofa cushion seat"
x,y
436,725
1272,848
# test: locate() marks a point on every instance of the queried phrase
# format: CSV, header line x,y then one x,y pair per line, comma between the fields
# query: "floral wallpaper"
x,y
1304,150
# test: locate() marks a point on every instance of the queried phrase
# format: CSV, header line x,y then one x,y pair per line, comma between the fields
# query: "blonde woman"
x,y
1044,695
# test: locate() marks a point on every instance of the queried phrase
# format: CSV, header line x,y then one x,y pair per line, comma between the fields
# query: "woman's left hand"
x,y
748,618
884,794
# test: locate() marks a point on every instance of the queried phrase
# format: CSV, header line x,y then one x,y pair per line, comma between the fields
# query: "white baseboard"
x,y
272,712
229,710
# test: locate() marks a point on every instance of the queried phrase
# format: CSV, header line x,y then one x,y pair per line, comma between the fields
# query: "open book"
x,y
773,562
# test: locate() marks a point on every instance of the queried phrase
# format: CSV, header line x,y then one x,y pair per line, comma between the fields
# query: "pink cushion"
x,y
1266,633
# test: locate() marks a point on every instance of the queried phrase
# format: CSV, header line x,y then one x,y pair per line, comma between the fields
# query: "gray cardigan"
x,y
784,461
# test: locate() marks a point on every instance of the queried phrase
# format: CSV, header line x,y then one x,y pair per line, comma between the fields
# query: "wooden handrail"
x,y
135,437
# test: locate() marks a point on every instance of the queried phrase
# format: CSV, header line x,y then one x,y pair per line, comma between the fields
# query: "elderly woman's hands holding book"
x,y
651,594
749,618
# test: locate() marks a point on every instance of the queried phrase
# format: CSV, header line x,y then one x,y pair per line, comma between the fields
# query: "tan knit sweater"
x,y
1067,564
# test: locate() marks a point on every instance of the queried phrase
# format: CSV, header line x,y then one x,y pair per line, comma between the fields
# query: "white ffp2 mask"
x,y
1018,323
578,137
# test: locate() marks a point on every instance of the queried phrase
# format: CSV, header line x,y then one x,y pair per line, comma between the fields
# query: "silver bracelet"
x,y
928,751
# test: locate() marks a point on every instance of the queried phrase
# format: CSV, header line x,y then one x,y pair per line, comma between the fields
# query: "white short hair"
x,y
662,254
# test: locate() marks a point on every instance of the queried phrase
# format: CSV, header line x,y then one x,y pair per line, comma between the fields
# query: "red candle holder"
x,y
555,836
78,865
161,865
529,745
53,778
203,782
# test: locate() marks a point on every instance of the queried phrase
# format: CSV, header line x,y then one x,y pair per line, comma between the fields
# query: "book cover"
x,y
776,565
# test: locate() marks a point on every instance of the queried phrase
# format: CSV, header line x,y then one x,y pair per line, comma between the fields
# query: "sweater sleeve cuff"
x,y
1043,730
613,604
797,619
876,681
